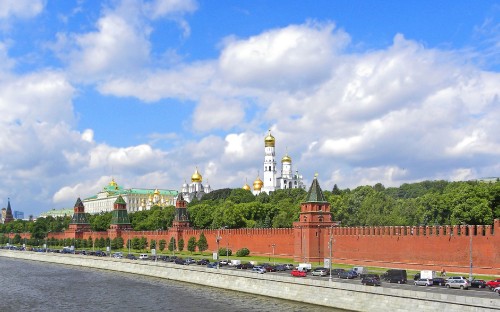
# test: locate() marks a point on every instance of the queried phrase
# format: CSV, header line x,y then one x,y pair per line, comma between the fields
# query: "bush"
x,y
223,252
243,252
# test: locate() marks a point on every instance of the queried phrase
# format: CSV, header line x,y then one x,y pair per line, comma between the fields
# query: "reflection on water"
x,y
35,286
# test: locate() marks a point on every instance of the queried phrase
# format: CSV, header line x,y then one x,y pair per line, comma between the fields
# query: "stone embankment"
x,y
315,291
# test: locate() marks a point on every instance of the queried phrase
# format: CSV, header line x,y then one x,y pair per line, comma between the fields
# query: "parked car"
x,y
457,283
289,266
223,262
336,272
423,282
396,276
497,289
143,256
371,281
212,265
319,272
455,278
269,268
493,283
202,262
348,274
180,261
244,266
438,281
298,273
189,261
259,270
478,283
131,257
280,267
416,277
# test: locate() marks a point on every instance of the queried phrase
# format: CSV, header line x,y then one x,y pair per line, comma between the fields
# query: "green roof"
x,y
315,195
58,212
120,200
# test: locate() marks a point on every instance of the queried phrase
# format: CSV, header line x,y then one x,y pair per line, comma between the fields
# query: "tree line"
x,y
423,203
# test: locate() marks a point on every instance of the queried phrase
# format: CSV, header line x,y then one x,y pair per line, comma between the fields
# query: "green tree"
x,y
181,244
143,243
202,243
191,247
136,243
172,245
163,243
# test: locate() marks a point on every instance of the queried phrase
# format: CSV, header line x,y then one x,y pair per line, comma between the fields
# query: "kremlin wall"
x,y
436,248
422,247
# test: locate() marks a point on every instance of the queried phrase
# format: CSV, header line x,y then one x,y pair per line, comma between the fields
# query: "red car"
x,y
299,273
493,284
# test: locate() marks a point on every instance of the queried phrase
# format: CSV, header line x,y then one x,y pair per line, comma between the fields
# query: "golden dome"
x,y
286,158
196,177
257,184
246,187
157,192
269,141
113,184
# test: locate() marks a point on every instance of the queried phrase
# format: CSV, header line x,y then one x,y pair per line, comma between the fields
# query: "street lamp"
x,y
330,245
273,245
157,244
46,242
470,249
218,239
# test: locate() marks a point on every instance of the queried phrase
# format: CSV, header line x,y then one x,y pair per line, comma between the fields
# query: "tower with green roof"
x,y
312,229
119,219
79,222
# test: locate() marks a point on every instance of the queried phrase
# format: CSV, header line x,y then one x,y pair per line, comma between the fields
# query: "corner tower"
x,y
269,164
310,232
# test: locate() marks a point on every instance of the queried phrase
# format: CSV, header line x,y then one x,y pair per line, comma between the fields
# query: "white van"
x,y
143,256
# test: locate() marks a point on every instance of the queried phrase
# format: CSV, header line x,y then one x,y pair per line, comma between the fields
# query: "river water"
x,y
36,286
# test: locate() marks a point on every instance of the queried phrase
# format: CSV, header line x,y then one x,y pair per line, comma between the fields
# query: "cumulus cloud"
x,y
216,113
20,8
297,56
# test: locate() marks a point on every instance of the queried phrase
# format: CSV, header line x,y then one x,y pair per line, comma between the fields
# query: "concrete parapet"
x,y
353,297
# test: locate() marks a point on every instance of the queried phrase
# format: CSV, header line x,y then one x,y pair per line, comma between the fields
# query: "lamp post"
x,y
330,245
128,232
47,242
217,239
157,244
273,245
470,249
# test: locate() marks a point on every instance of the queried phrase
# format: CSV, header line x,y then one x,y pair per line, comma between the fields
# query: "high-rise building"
x,y
18,214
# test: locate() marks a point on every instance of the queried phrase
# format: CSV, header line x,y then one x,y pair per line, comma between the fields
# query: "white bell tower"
x,y
269,164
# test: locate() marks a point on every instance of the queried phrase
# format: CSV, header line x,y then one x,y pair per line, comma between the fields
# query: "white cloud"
x,y
161,8
216,113
20,8
297,56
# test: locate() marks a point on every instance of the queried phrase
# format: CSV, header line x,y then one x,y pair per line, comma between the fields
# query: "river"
x,y
35,286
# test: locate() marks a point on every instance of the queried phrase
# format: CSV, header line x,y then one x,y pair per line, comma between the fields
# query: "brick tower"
x,y
8,214
79,222
119,219
311,231
181,219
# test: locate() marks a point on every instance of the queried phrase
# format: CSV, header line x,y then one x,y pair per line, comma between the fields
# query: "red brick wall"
x,y
396,247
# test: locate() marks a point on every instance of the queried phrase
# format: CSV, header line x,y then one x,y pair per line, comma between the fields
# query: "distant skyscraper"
x,y
18,215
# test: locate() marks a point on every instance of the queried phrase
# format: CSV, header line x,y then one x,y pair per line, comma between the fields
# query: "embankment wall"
x,y
332,294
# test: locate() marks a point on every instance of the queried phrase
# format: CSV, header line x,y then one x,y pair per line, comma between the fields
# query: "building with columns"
x,y
271,181
136,199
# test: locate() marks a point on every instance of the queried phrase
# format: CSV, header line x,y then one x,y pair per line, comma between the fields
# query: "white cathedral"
x,y
196,188
272,182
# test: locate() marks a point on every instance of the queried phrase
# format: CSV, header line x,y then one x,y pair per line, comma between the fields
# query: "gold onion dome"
x,y
269,141
196,177
286,158
157,192
246,187
257,184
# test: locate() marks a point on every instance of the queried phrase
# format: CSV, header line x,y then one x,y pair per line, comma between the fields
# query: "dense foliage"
x,y
428,202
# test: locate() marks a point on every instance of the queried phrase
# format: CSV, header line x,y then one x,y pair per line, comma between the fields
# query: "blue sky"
x,y
360,92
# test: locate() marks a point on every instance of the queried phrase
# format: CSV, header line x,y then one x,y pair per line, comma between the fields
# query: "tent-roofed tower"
x,y
314,222
181,218
79,222
119,218
8,215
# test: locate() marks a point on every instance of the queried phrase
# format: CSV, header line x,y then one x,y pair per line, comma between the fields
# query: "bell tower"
x,y
311,231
